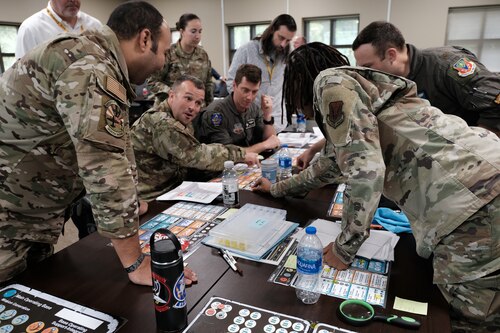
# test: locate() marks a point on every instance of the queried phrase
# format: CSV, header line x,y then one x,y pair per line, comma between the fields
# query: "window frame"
x,y
479,43
7,54
230,34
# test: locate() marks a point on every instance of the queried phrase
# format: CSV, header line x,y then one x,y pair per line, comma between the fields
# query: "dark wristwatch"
x,y
136,264
270,122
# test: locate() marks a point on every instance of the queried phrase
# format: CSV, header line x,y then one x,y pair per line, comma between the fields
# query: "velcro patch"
x,y
464,67
116,89
337,104
113,116
335,115
216,119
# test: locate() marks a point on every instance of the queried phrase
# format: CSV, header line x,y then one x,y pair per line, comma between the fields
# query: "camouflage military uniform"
x,y
222,123
165,149
454,81
321,172
441,173
180,63
64,129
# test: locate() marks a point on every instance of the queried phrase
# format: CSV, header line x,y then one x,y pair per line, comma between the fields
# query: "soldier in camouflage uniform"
x,y
165,145
185,57
451,78
64,131
444,175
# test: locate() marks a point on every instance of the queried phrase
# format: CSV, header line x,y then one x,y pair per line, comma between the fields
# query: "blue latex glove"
x,y
396,222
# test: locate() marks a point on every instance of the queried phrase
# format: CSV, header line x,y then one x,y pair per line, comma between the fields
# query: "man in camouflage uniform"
x,y
165,146
451,78
444,175
64,131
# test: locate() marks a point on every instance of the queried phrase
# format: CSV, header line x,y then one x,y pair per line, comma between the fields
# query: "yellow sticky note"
x,y
228,213
410,306
291,262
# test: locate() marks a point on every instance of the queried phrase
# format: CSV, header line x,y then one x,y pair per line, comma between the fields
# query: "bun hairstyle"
x,y
184,20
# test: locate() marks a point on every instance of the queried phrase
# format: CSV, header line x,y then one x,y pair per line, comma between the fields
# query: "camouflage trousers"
x,y
16,255
471,253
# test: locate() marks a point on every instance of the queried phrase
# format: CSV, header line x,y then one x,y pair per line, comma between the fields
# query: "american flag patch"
x,y
116,89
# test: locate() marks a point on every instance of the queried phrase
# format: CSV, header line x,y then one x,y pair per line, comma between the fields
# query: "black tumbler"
x,y
169,291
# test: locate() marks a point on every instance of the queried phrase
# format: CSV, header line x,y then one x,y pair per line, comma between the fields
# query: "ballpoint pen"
x,y
230,261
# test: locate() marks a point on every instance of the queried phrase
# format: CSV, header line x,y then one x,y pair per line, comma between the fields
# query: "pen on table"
x,y
230,261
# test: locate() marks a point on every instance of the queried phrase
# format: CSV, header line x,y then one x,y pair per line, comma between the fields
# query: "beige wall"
x,y
422,22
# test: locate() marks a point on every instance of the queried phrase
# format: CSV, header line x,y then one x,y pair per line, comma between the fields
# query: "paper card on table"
x,y
228,213
194,191
410,306
291,262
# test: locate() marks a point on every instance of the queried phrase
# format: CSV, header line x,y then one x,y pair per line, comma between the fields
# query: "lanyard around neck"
x,y
59,23
270,69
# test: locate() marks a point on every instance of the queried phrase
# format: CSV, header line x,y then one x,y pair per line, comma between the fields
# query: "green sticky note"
x,y
410,306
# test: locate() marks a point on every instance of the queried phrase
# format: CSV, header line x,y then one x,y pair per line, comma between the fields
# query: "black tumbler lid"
x,y
164,248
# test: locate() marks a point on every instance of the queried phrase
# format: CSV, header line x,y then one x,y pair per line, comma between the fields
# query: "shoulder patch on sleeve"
x,y
464,67
113,116
337,103
114,87
216,119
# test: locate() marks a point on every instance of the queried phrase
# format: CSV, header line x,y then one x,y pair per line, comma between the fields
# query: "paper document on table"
x,y
295,139
380,245
318,135
194,191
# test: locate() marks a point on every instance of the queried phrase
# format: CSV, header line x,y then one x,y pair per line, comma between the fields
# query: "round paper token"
x,y
298,326
214,305
244,312
21,319
250,323
245,330
221,315
239,320
220,306
7,314
286,323
210,312
269,328
255,315
7,328
227,308
281,330
274,320
233,328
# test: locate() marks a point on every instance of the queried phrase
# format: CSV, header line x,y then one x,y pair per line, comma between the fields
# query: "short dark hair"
x,y
197,82
267,36
382,35
251,72
184,20
130,18
303,65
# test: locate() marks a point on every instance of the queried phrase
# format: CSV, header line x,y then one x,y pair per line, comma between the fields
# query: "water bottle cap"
x,y
284,145
311,230
164,246
228,164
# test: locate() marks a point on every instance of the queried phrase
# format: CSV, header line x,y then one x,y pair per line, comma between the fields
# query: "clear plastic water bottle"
x,y
301,123
309,266
284,163
230,189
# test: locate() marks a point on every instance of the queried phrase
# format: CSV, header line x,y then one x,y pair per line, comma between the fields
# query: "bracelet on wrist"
x,y
269,122
136,264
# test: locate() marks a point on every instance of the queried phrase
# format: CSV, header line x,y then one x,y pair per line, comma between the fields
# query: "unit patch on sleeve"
x,y
464,67
216,119
114,118
335,114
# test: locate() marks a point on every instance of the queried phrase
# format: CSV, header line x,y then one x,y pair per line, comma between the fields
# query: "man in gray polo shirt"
x,y
236,119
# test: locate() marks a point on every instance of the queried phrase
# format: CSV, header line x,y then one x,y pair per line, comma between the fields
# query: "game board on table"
x,y
366,279
223,315
189,221
23,309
